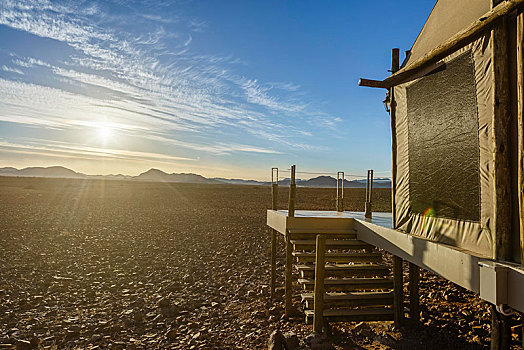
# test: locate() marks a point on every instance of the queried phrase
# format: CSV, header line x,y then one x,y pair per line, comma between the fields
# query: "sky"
x,y
219,88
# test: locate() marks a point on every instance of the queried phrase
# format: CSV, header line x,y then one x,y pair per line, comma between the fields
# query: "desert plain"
x,y
102,264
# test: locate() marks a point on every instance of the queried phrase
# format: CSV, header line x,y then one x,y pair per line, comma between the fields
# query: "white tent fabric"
x,y
447,18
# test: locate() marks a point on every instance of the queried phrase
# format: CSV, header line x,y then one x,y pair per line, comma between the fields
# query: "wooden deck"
x,y
456,265
325,220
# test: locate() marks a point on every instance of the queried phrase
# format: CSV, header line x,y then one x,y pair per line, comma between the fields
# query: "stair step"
x,y
340,244
353,315
305,257
349,284
346,270
303,234
351,299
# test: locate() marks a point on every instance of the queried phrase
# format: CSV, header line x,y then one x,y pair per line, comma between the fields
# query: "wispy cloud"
x,y
148,84
80,151
12,70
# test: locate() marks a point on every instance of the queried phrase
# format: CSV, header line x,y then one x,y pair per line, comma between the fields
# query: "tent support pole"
x,y
398,284
395,63
520,123
500,328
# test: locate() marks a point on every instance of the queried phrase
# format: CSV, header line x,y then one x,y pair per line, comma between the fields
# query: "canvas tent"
x,y
442,125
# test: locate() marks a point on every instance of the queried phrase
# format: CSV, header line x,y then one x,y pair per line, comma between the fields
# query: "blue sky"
x,y
219,88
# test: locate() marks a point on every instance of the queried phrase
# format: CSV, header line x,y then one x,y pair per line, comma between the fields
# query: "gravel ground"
x,y
128,265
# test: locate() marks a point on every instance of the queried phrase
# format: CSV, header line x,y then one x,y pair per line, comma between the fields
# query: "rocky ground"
x,y
128,265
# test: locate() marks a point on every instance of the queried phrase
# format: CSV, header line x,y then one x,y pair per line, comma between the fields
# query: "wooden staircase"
x,y
355,283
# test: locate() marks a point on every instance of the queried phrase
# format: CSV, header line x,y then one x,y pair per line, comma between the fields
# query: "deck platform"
x,y
326,220
456,265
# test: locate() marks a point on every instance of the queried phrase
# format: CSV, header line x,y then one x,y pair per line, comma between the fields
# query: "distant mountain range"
x,y
156,175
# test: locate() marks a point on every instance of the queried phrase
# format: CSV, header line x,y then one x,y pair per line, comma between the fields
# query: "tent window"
x,y
444,176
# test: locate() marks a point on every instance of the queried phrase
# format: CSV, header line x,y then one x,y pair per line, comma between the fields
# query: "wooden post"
x,y
501,142
520,118
392,112
500,330
292,193
500,326
414,300
318,301
398,283
398,292
289,277
274,201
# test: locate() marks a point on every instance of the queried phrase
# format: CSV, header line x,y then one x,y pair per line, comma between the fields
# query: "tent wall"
x,y
447,18
444,184
444,146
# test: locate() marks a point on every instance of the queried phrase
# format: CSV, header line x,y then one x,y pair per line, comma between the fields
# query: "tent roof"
x,y
447,18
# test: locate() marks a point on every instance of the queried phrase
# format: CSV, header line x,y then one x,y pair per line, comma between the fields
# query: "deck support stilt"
x,y
500,330
320,263
273,262
274,201
414,299
289,277
398,292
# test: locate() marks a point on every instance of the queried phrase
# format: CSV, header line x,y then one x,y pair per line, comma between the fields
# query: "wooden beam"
x,y
289,278
318,301
398,292
414,298
501,142
372,83
457,41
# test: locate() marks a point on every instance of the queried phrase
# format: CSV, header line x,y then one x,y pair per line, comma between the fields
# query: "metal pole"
x,y
368,209
340,191
289,247
292,192
274,194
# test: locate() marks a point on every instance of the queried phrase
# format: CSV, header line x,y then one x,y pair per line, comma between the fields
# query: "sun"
x,y
105,133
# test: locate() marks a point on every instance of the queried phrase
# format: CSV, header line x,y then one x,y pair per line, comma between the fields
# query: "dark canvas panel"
x,y
443,142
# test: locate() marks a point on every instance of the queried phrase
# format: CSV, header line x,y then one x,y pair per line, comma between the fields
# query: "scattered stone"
x,y
318,341
24,345
164,303
95,338
275,310
292,341
171,334
139,317
277,341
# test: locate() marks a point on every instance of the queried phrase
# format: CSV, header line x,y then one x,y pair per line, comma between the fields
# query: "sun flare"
x,y
105,132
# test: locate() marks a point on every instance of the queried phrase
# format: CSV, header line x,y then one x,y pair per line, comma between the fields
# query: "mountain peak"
x,y
153,171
